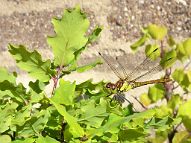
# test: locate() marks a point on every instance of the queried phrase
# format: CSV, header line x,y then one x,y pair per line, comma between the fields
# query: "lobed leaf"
x,y
64,94
5,139
185,112
156,92
152,51
31,62
139,43
75,129
46,139
4,75
169,59
157,32
69,38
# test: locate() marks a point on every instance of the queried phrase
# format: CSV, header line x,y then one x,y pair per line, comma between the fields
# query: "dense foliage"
x,y
84,112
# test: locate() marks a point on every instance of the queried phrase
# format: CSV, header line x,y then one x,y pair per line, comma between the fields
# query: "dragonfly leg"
x,y
120,97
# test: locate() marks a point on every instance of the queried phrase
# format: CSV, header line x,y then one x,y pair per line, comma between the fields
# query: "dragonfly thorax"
x,y
116,85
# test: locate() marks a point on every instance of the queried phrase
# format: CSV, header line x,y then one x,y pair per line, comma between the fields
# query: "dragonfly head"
x,y
111,86
116,85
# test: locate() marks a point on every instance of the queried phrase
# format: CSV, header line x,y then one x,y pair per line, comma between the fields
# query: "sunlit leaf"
x,y
22,116
95,116
31,62
185,112
171,41
46,139
180,137
174,102
156,92
37,86
169,59
4,75
75,129
152,51
178,75
64,94
139,43
187,46
95,34
183,78
70,36
131,134
6,116
88,66
18,92
157,32
5,139
27,140
144,98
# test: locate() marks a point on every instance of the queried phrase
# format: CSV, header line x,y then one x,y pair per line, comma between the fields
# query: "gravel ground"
x,y
28,22
127,16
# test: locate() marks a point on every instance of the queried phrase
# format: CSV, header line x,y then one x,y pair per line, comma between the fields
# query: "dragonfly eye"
x,y
109,85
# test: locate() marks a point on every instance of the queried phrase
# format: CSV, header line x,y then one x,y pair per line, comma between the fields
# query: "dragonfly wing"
x,y
114,65
147,65
143,66
148,73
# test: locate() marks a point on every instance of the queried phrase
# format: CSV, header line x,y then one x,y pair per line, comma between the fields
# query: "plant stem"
x,y
168,86
63,125
56,78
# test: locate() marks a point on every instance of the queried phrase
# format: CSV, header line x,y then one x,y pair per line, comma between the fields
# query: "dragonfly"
x,y
130,80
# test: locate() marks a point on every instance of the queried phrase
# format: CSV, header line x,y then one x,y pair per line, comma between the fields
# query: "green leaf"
x,y
75,129
4,75
187,46
183,49
183,78
185,112
174,102
27,140
178,75
163,111
144,98
64,94
88,66
5,139
180,137
131,134
108,137
46,139
95,116
37,86
41,121
6,116
156,92
152,51
157,32
18,92
139,43
169,59
114,121
171,41
95,34
181,53
69,38
31,62
22,116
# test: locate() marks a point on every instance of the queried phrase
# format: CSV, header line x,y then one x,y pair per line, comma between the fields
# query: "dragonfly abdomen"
x,y
162,80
